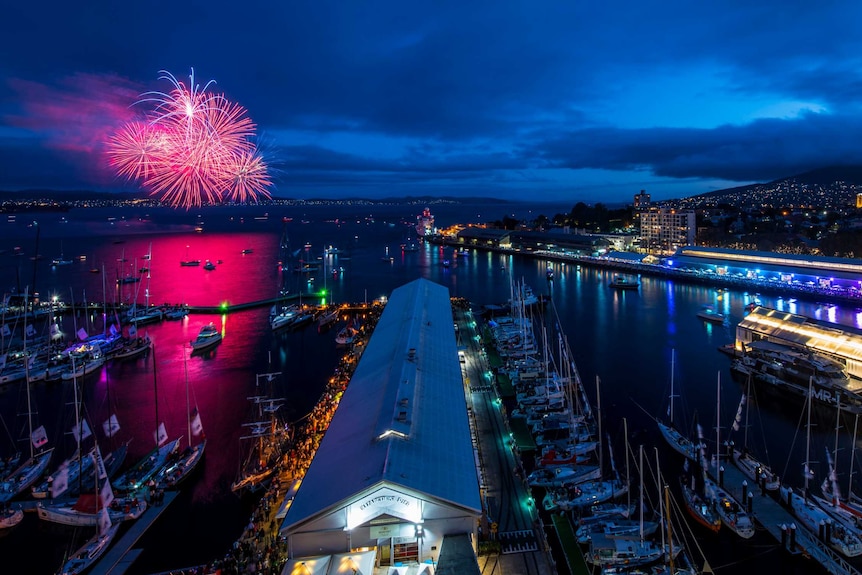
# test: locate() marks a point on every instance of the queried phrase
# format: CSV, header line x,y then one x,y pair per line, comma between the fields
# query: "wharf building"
x,y
561,244
774,268
395,473
843,345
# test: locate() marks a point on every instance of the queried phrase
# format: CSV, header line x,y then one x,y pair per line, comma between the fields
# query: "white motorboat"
x,y
208,337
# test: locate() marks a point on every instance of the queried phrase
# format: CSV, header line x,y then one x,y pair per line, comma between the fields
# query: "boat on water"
x,y
698,507
711,315
265,440
176,313
133,349
10,517
731,513
757,471
425,223
785,368
209,266
180,466
247,251
84,512
93,549
347,334
327,320
190,263
136,477
208,337
624,282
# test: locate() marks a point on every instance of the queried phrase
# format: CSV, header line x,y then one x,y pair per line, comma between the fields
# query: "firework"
x,y
191,146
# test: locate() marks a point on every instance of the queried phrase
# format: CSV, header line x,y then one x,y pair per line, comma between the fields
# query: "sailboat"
x,y
155,460
61,261
66,480
85,510
619,527
31,470
698,502
282,314
754,469
138,316
680,443
95,547
188,262
265,441
731,513
811,515
181,466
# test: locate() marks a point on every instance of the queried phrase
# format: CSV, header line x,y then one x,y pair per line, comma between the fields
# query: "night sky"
x,y
575,100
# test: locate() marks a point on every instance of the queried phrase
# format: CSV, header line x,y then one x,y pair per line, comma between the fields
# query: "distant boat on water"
x,y
623,282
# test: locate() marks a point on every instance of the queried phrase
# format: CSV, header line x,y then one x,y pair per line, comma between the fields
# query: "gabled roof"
x,y
403,419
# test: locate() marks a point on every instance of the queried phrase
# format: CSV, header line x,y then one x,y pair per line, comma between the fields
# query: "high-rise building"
x,y
858,200
664,230
641,201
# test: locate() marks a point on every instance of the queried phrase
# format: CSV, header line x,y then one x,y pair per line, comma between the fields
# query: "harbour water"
x,y
624,338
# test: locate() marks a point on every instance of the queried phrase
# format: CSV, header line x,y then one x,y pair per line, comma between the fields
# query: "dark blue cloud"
x,y
484,94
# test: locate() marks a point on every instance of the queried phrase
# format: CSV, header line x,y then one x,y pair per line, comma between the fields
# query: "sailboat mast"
x,y
852,458
641,502
156,394
628,484
599,410
718,421
747,407
186,370
672,358
808,437
27,371
833,473
669,531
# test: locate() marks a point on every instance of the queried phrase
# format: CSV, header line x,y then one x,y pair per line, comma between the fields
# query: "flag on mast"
x,y
39,437
197,426
111,426
161,435
81,431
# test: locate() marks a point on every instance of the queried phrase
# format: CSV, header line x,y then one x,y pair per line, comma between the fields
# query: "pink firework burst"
x,y
191,147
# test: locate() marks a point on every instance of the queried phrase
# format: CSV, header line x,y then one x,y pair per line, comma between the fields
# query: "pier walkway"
x,y
120,555
512,540
772,516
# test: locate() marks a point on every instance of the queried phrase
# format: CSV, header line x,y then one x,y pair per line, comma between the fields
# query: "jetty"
x,y
777,521
120,556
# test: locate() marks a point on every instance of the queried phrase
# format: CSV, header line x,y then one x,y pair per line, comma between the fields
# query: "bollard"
x,y
828,531
793,536
763,484
721,476
744,493
821,530
783,536
750,505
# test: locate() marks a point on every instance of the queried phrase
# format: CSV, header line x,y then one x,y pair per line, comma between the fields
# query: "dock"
x,y
120,555
772,516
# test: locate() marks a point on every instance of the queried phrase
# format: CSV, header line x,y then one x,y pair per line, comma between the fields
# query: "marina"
x,y
310,355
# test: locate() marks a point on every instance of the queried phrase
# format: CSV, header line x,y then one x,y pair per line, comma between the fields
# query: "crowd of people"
x,y
261,549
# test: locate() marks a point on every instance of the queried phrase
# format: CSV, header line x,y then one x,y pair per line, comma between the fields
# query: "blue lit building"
x,y
822,272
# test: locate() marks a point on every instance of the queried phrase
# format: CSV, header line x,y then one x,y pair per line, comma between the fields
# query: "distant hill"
x,y
831,187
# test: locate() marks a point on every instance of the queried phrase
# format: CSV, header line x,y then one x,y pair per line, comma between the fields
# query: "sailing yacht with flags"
x,y
95,547
31,470
180,467
155,460
85,510
679,442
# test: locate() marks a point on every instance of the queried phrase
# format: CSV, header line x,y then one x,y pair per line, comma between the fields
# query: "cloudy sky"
x,y
575,100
